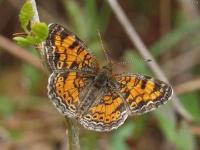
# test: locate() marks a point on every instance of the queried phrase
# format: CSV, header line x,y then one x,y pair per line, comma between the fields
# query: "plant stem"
x,y
72,131
36,16
189,86
73,134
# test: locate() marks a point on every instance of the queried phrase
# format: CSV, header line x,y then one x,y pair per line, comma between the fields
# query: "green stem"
x,y
72,131
73,134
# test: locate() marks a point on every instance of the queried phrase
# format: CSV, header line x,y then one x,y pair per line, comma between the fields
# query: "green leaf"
x,y
40,31
140,124
77,17
120,135
192,104
167,122
185,139
23,41
181,136
89,141
26,15
91,16
38,34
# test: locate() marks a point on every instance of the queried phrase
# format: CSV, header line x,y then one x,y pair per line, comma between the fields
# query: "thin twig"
x,y
144,52
20,52
188,86
73,132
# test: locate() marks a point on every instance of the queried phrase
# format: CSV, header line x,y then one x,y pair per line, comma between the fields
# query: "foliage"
x,y
191,103
120,135
38,32
26,14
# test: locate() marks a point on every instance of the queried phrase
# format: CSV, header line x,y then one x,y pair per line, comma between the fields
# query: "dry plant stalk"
x,y
20,52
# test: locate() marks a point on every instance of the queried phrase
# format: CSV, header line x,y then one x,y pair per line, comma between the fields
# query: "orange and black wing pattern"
x,y
64,51
143,93
109,113
66,91
99,100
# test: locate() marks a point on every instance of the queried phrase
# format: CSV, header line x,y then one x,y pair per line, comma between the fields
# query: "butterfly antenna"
x,y
104,50
137,60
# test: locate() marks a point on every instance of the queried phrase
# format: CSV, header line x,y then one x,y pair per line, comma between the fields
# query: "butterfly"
x,y
99,99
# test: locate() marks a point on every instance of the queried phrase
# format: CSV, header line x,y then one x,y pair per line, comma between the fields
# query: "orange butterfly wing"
x,y
64,51
143,93
66,91
109,113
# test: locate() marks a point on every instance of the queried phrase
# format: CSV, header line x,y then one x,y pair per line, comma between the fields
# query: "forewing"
x,y
143,93
66,91
65,51
109,113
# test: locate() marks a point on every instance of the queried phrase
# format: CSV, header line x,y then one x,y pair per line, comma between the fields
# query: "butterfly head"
x,y
103,76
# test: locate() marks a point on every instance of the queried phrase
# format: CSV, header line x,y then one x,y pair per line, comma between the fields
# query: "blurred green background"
x,y
171,31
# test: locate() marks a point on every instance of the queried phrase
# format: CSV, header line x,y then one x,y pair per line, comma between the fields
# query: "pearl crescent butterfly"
x,y
99,99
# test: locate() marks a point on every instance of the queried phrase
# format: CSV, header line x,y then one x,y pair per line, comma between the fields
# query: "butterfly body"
x,y
101,83
97,98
